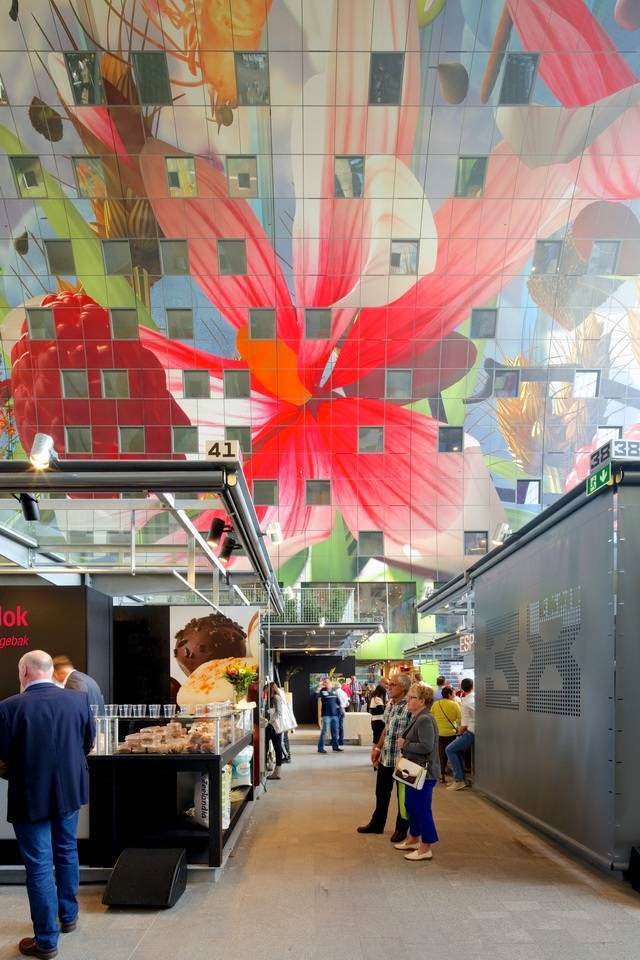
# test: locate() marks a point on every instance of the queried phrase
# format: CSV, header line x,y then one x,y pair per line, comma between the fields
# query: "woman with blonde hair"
x,y
420,744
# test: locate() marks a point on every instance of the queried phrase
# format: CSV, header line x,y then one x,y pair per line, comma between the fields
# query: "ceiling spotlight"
x,y
29,506
381,628
217,528
322,622
42,452
274,531
228,547
502,532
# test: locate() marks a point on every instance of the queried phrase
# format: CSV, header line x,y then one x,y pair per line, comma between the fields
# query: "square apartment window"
x,y
242,177
385,78
117,257
77,439
115,384
236,384
607,433
175,257
181,176
180,323
470,176
483,323
371,543
528,491
399,384
265,493
4,100
370,439
318,493
404,257
74,384
152,77
83,69
252,79
40,323
506,382
90,177
586,384
196,384
604,257
475,543
317,324
124,324
60,257
450,439
518,78
131,439
28,176
242,435
185,439
262,324
348,177
232,258
546,256
145,255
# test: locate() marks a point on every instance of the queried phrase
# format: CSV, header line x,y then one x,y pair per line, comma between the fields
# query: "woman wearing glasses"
x,y
420,744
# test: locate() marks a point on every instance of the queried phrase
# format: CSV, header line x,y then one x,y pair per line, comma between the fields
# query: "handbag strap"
x,y
445,714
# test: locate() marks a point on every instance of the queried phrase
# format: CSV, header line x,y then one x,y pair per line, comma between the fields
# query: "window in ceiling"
x,y
317,324
483,323
4,100
371,543
236,384
83,68
265,493
385,78
450,439
232,258
470,176
318,493
528,491
90,177
131,439
252,79
404,257
117,257
399,384
518,78
29,176
185,439
475,543
152,77
180,323
262,324
242,435
60,257
115,384
586,384
242,177
605,433
181,176
124,324
175,257
74,384
77,439
506,382
370,439
604,257
348,176
546,256
40,323
196,384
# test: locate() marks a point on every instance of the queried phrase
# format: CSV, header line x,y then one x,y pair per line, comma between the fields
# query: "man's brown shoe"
x,y
29,948
68,927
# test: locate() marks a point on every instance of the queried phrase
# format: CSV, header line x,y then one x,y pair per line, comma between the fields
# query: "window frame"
x,y
447,429
64,372
226,380
107,394
372,426
139,56
259,500
170,316
315,503
193,432
310,313
85,429
203,377
390,371
45,312
131,427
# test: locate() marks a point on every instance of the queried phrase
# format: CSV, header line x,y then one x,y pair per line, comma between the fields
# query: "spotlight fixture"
x,y
228,547
322,622
29,506
503,532
274,531
217,528
381,628
42,452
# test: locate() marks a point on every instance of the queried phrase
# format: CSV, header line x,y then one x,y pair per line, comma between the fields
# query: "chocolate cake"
x,y
209,638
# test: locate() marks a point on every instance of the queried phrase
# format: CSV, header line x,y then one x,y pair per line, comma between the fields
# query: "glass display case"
x,y
210,729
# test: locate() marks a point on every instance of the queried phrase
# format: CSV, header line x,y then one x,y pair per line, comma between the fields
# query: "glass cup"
x,y
94,710
201,710
139,709
154,709
169,709
187,710
111,709
124,709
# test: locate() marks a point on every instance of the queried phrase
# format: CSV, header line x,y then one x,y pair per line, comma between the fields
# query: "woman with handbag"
x,y
275,727
376,709
420,746
446,712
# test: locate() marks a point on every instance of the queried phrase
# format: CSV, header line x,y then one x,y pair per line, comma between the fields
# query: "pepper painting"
x,y
405,279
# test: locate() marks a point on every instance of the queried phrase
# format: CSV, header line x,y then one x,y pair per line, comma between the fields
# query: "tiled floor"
x,y
303,884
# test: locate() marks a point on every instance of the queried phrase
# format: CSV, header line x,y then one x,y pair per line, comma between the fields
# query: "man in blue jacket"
x,y
45,735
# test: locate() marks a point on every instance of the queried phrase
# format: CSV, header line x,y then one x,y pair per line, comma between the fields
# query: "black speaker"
x,y
147,878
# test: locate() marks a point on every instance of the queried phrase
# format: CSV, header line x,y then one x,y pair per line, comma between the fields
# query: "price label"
x,y
224,450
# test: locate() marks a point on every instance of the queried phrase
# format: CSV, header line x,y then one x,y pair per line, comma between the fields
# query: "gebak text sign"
x,y
12,618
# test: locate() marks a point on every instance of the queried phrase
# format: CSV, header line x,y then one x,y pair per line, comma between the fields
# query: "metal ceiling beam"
x,y
23,551
183,520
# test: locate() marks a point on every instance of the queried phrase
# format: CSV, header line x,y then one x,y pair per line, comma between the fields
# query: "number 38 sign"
x,y
615,450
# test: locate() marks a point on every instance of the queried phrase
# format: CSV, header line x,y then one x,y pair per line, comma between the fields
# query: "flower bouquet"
x,y
240,675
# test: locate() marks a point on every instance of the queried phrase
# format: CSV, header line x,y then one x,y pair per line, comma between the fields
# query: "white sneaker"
x,y
457,785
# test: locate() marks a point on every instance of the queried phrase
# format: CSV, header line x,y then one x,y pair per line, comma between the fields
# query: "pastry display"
x,y
200,737
213,637
208,682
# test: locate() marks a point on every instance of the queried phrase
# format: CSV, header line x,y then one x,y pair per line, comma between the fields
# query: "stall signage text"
x,y
10,619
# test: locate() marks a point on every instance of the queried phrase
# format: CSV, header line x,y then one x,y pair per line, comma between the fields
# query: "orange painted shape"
x,y
275,365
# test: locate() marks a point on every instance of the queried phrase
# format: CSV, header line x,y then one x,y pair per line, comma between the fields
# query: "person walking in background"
x,y
384,756
67,676
343,700
45,735
376,709
466,735
275,727
447,714
329,715
420,744
356,695
440,682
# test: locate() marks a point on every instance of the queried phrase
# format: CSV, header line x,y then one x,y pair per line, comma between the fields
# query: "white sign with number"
x,y
615,450
223,450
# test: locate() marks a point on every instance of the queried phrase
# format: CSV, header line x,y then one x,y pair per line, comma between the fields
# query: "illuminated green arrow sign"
x,y
599,478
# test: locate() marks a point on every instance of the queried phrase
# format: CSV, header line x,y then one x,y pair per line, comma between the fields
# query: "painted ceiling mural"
x,y
406,279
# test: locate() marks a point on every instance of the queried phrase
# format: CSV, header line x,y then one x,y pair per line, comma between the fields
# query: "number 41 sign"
x,y
224,450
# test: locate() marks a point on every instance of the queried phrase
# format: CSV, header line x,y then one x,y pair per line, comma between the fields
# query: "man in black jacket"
x,y
67,676
45,735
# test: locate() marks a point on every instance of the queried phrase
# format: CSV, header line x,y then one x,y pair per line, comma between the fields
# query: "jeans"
x,y
45,846
418,804
455,753
329,728
384,788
